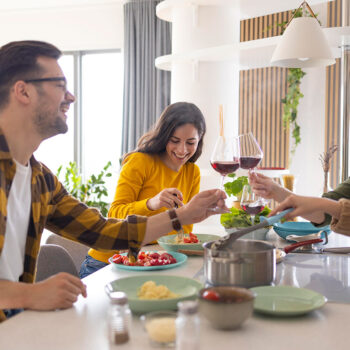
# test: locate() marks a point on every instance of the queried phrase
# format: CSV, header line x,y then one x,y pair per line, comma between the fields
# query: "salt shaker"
x,y
119,318
187,326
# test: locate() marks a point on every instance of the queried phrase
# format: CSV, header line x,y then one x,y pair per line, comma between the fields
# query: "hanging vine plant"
x,y
291,102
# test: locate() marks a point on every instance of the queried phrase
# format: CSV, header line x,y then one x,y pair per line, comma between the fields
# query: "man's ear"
x,y
22,92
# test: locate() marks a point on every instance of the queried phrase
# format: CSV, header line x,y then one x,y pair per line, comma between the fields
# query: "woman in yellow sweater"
x,y
159,174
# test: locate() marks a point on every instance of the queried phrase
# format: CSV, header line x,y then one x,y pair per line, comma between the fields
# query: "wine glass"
x,y
251,203
225,156
250,152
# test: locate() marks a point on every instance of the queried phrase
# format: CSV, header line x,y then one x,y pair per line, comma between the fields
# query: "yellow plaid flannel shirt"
x,y
56,210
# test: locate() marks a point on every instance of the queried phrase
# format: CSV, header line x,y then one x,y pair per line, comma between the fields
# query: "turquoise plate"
x,y
167,242
188,288
180,259
286,300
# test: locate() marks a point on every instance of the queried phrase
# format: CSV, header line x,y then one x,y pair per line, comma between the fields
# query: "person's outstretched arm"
x,y
196,210
310,208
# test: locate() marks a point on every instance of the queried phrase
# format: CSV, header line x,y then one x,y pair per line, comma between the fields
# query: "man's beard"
x,y
48,126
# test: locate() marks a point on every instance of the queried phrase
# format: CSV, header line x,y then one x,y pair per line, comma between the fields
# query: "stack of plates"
x,y
299,229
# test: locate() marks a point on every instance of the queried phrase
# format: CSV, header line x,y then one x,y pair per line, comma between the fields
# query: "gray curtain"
x,y
146,88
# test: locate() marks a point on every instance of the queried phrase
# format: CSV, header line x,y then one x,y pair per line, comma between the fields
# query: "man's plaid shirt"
x,y
56,210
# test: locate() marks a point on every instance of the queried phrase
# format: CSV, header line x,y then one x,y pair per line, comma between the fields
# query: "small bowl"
x,y
259,234
235,305
160,328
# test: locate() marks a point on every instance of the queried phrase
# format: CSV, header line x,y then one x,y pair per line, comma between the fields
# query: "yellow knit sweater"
x,y
142,177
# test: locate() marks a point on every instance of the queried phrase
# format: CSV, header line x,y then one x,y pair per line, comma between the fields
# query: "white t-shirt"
x,y
18,212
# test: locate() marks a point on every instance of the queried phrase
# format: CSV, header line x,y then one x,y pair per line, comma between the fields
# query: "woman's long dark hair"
x,y
173,116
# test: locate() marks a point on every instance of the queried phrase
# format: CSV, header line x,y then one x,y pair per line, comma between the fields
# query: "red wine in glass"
x,y
252,208
249,162
225,167
250,152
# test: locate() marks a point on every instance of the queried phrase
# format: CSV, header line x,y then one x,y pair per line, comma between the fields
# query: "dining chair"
x,y
53,259
76,250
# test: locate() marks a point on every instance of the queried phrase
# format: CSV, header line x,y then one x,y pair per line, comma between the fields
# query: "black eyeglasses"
x,y
39,80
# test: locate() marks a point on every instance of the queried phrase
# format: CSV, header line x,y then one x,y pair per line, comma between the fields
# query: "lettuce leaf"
x,y
239,218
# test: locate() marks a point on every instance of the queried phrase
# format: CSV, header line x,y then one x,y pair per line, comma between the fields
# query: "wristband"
x,y
174,220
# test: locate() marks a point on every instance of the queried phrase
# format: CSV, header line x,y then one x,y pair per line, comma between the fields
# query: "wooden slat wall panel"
x,y
261,91
332,105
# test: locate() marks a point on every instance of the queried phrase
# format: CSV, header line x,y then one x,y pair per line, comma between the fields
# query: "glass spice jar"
x,y
119,318
187,326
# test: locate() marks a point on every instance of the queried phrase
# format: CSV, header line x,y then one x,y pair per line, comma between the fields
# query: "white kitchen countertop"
x,y
85,325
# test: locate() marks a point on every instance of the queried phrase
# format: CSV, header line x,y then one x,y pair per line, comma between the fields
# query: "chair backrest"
x,y
76,250
53,259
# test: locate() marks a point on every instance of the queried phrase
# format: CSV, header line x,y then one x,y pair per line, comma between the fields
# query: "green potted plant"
x,y
234,188
92,191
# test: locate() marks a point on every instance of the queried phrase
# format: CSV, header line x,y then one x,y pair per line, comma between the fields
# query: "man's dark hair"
x,y
18,61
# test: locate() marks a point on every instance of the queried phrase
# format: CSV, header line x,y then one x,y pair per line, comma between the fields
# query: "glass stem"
x,y
252,217
222,183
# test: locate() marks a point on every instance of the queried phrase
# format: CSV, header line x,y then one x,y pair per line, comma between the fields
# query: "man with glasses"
x,y
33,104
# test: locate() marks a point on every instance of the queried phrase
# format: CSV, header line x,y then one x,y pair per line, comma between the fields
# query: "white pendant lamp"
x,y
303,44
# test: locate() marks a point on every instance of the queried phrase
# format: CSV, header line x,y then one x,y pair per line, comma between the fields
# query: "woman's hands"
x,y
168,198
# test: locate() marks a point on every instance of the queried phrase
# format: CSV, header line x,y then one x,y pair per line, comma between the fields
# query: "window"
x,y
95,120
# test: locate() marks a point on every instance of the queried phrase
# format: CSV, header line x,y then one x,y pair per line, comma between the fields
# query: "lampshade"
x,y
303,44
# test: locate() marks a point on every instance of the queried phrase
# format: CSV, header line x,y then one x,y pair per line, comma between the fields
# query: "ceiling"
x,y
18,5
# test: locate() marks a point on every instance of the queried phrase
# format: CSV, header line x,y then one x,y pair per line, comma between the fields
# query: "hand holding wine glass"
x,y
250,152
251,203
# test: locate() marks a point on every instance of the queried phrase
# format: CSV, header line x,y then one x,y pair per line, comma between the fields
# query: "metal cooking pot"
x,y
248,263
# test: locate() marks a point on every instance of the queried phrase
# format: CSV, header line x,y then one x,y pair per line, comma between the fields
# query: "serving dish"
x,y
233,306
188,288
180,259
167,242
298,228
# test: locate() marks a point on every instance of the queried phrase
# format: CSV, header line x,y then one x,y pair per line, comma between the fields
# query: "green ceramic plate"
x,y
187,287
286,300
167,242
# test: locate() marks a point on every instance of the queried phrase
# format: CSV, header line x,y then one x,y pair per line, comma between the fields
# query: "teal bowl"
x,y
301,228
168,242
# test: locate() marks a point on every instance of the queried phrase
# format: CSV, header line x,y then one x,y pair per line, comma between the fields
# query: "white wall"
x,y
306,165
69,28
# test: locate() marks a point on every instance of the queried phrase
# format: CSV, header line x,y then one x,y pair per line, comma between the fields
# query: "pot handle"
x,y
293,246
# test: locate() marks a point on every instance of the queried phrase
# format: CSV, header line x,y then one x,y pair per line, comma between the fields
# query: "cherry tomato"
x,y
142,256
187,240
117,259
211,295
